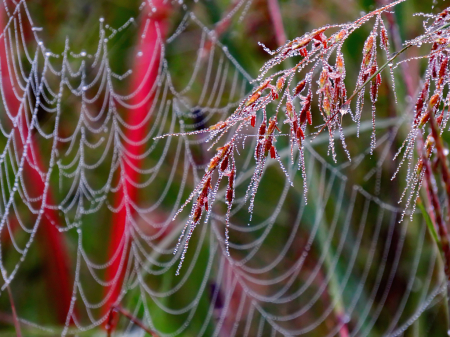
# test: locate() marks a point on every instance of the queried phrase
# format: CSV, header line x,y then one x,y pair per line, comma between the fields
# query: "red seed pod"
x,y
253,98
340,64
299,88
373,70
421,99
419,166
197,213
303,116
326,106
373,91
258,150
323,77
439,119
272,152
443,69
368,45
300,134
434,100
263,86
262,129
218,126
289,108
231,178
274,94
229,195
303,52
295,126
384,38
367,59
280,83
253,120
268,146
272,126
321,38
213,163
339,36
434,70
224,164
305,109
365,76
378,79
309,117
425,119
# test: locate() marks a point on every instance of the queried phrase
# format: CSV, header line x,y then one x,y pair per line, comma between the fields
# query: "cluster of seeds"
x,y
431,112
320,57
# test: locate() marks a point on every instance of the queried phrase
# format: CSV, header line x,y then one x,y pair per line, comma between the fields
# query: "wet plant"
x,y
282,105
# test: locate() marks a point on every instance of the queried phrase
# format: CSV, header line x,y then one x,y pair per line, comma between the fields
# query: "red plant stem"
x,y
50,239
131,317
148,59
439,222
221,28
277,20
13,309
445,173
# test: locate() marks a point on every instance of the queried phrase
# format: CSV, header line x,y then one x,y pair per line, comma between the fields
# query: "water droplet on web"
x,y
101,19
83,53
139,54
346,318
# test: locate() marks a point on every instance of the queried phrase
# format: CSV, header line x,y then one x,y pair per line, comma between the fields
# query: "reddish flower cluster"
x,y
315,50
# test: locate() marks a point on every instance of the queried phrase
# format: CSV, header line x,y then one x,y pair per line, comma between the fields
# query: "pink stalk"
x,y
277,20
148,54
131,317
50,239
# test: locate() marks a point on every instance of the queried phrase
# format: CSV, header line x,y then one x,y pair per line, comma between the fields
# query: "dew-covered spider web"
x,y
80,164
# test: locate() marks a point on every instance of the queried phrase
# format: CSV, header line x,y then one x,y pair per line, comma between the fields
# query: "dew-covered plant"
x,y
322,94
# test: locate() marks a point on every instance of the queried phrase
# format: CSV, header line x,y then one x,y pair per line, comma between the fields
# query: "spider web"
x,y
296,268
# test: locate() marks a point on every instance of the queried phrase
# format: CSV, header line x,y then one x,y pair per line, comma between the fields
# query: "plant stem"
x,y
277,20
13,309
128,315
442,230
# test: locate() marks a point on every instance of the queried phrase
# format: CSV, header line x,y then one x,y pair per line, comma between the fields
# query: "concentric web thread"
x,y
295,269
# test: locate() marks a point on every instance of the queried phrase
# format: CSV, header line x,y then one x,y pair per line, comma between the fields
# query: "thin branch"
x,y
13,309
130,316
